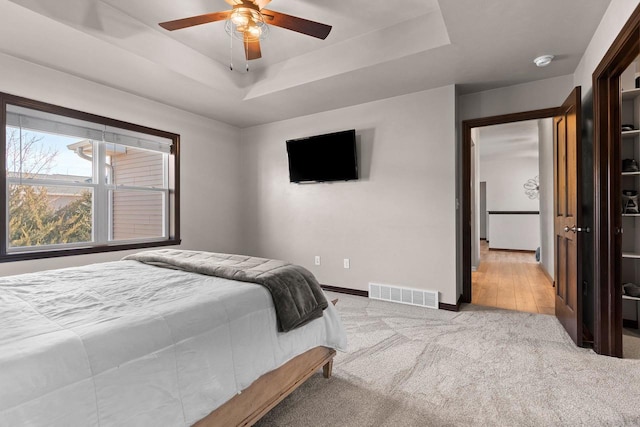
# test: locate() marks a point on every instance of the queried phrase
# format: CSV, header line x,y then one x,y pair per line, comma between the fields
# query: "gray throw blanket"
x,y
296,293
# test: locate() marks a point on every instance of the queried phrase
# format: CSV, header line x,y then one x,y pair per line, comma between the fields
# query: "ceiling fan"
x,y
247,21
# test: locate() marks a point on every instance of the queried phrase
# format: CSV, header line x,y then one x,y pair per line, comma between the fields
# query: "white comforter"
x,y
123,343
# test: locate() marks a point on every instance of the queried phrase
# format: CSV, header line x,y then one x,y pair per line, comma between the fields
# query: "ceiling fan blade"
x,y
195,20
293,23
233,2
252,48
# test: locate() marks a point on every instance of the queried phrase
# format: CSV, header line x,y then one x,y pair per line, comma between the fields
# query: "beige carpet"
x,y
408,366
631,343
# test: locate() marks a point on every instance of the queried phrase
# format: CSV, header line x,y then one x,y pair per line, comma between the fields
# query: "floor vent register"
x,y
402,295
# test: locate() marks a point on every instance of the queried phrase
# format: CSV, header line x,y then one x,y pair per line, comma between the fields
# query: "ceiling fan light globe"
x,y
246,22
239,19
255,31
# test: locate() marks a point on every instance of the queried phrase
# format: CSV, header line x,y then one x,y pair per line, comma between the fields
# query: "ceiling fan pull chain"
x,y
246,49
231,53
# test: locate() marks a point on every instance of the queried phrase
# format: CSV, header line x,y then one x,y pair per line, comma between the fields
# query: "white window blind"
x,y
44,122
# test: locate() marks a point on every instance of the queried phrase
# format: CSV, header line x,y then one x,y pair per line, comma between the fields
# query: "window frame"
x,y
173,202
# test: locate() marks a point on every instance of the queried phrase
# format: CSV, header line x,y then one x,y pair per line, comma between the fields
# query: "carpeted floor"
x,y
631,343
409,366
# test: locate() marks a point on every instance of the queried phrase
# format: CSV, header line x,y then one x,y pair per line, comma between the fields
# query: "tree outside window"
x,y
36,216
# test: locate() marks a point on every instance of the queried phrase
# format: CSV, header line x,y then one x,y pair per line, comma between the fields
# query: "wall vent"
x,y
401,295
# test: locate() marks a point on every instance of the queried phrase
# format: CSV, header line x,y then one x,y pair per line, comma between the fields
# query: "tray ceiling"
x,y
375,50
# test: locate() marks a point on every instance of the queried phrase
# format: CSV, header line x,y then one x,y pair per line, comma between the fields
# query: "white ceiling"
x,y
376,49
519,139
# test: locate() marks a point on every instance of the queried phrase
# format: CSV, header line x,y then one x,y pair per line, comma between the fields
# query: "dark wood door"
x,y
566,177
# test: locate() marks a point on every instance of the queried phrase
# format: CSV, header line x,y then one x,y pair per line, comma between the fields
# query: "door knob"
x,y
576,229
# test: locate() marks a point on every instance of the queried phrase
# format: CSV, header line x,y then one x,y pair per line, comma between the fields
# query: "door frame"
x,y
465,202
607,204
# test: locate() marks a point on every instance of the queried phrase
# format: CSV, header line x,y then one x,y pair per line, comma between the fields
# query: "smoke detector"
x,y
543,61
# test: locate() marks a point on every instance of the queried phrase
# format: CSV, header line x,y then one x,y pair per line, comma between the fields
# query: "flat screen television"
x,y
329,157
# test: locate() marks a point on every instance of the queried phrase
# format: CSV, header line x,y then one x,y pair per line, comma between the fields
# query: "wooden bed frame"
x,y
246,408
263,394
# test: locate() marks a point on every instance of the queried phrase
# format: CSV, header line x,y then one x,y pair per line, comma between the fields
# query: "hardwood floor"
x,y
511,280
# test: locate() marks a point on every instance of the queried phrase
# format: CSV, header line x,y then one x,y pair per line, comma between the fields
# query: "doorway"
x,y
512,247
466,205
606,290
567,212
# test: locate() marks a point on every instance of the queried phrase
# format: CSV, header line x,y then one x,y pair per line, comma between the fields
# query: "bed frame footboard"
x,y
248,407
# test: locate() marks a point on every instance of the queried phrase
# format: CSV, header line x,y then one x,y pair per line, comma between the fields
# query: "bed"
x,y
128,343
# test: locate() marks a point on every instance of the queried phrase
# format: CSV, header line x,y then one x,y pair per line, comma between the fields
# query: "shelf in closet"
x,y
631,255
630,148
628,95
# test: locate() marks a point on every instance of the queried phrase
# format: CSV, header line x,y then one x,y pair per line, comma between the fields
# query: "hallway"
x,y
513,281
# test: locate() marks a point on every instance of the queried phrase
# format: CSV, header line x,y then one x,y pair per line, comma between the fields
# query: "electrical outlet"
x,y
347,264
317,259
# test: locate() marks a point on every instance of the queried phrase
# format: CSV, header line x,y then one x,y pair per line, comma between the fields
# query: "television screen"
x,y
330,157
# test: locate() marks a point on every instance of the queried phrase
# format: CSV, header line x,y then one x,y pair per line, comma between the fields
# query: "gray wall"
x,y
505,174
396,224
483,210
475,204
545,145
209,180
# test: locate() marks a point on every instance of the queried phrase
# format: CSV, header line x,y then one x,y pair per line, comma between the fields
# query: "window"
x,y
78,183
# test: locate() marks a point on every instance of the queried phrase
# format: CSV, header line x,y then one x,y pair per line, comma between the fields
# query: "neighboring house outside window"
x,y
77,183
